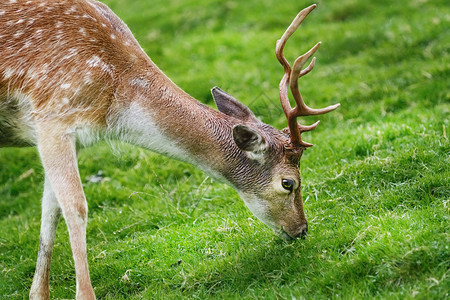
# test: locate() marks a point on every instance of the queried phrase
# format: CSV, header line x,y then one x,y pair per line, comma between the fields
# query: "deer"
x,y
72,74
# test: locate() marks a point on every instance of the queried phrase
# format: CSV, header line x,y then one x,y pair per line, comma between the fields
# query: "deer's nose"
x,y
299,232
302,232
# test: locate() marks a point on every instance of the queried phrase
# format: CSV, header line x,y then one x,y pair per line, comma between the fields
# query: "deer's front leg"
x,y
56,147
51,213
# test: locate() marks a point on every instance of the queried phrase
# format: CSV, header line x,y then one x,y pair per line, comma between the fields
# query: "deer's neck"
x,y
163,118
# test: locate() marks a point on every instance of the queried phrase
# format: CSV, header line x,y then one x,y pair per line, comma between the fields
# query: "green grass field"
x,y
376,184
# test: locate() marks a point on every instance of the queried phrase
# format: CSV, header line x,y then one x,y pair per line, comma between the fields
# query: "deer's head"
x,y
272,191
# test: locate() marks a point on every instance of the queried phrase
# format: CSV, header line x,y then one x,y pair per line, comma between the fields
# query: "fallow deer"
x,y
71,73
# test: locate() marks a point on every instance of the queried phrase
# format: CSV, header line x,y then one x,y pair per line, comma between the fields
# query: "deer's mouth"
x,y
283,234
288,237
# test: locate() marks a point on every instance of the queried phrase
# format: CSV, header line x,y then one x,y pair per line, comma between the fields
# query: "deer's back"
x,y
59,60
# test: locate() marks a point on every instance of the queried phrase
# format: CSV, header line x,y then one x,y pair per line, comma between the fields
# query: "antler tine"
x,y
290,79
302,109
294,25
287,34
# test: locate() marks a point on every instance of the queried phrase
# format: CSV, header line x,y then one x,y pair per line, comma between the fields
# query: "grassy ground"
x,y
376,184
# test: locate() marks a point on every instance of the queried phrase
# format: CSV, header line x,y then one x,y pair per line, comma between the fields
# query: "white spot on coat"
x,y
71,10
17,34
139,82
65,86
8,73
87,78
72,52
94,61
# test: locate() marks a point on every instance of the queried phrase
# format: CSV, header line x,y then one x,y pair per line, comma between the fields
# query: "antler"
x,y
290,79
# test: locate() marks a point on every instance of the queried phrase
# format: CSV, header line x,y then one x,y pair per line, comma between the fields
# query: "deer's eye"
x,y
287,184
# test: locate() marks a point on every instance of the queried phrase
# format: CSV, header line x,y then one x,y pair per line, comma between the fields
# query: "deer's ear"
x,y
249,140
232,107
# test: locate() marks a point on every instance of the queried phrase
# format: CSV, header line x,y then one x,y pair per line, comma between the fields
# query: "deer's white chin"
x,y
260,210
283,234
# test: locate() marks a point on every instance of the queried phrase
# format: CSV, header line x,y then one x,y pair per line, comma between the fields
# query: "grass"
x,y
376,184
